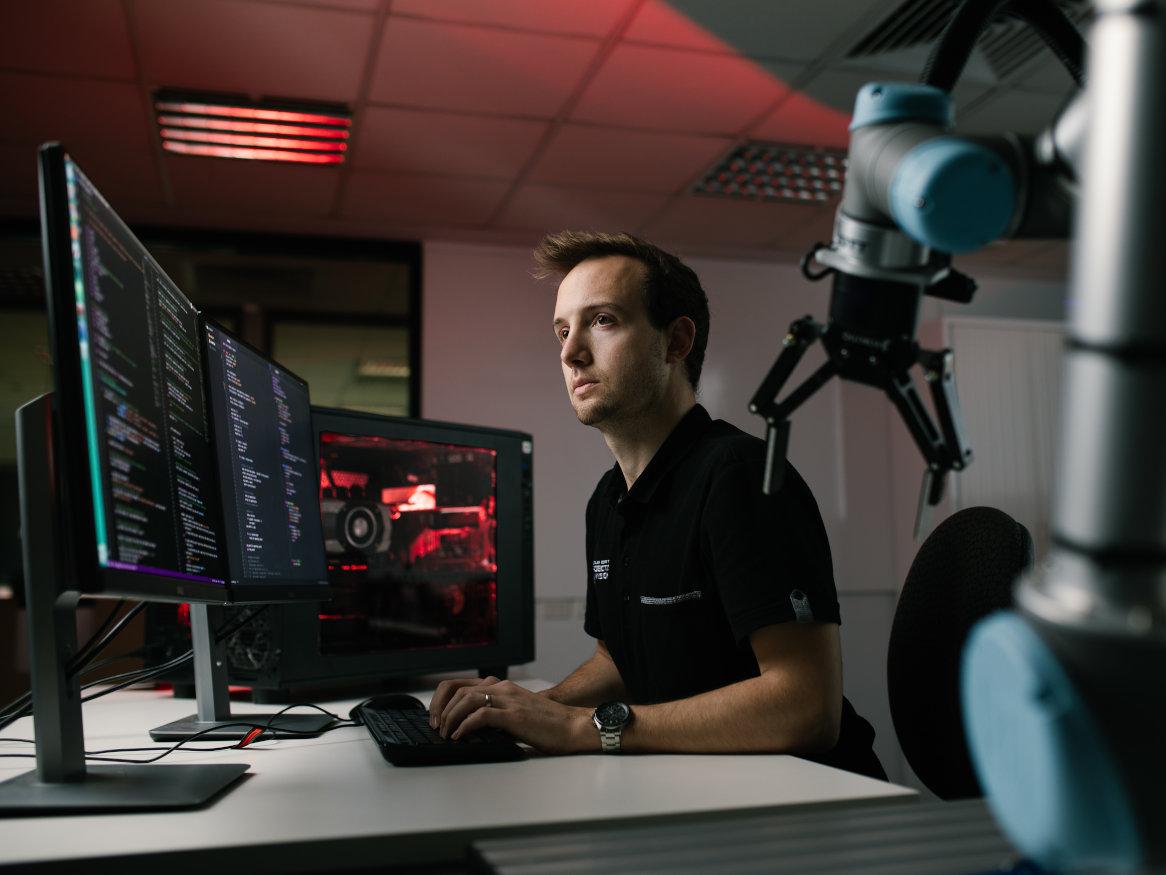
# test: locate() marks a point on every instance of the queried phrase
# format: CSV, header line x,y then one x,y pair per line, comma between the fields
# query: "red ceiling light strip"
x,y
275,115
243,140
210,124
251,154
252,132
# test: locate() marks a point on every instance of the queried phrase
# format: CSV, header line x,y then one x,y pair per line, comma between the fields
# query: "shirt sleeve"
x,y
768,554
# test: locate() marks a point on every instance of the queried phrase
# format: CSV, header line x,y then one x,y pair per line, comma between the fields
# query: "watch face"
x,y
612,715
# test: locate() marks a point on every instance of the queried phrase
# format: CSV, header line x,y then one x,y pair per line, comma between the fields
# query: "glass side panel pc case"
x,y
153,509
428,530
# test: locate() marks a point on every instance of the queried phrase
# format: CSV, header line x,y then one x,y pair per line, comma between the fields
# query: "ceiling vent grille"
x,y
1007,44
776,172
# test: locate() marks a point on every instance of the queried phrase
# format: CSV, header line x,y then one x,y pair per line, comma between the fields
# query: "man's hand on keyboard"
x,y
460,706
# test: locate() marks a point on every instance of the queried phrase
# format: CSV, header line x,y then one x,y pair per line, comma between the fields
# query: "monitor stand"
x,y
61,783
212,696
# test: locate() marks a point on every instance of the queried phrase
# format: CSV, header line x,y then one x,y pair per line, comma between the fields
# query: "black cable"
x,y
88,653
239,745
950,55
135,677
1058,32
133,654
83,651
22,706
224,632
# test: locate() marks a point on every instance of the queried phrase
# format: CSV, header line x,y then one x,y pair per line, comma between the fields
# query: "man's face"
x,y
613,359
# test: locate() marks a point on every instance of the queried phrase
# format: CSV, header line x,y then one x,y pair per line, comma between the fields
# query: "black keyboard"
x,y
406,739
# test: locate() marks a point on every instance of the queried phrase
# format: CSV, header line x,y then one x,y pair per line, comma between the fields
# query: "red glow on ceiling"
x,y
250,154
276,115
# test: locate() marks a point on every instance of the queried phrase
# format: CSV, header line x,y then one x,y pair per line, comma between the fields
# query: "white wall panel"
x,y
1009,379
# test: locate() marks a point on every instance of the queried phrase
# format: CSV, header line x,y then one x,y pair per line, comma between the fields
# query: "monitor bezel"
x,y
73,477
515,643
260,593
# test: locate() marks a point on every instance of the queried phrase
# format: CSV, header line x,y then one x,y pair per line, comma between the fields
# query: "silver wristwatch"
x,y
610,719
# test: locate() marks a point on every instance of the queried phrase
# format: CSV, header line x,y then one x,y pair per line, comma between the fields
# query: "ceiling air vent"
x,y
1007,44
776,172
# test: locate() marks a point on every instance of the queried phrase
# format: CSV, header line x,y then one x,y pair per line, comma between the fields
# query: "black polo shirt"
x,y
691,561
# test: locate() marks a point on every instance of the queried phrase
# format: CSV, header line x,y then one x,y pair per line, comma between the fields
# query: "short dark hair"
x,y
671,288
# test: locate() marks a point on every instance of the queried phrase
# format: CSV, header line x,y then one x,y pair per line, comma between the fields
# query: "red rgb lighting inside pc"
x,y
410,534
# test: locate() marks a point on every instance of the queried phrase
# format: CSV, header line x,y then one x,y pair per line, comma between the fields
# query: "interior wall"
x,y
489,357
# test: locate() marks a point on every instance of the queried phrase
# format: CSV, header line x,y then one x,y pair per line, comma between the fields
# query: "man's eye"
x,y
561,334
603,319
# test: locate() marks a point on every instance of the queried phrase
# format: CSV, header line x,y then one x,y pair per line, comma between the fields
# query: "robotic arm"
x,y
1064,700
915,194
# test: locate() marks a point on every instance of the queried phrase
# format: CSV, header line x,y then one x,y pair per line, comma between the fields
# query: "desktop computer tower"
x,y
428,530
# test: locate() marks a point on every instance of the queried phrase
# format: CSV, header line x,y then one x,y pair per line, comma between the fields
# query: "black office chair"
x,y
965,570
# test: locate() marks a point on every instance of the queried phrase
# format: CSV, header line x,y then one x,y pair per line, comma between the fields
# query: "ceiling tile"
x,y
795,29
908,64
617,159
545,208
1023,112
66,37
801,119
254,48
804,116
251,186
478,69
355,5
709,221
593,18
1047,75
659,23
820,114
419,201
676,90
428,142
78,112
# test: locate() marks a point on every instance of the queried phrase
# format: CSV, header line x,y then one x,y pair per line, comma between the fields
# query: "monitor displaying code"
x,y
155,505
267,465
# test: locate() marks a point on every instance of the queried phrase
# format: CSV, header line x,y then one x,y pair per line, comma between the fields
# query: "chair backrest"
x,y
965,570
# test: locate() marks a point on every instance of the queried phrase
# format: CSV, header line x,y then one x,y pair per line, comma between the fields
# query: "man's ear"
x,y
681,337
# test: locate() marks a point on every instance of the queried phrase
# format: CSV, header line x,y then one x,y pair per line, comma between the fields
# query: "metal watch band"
x,y
610,739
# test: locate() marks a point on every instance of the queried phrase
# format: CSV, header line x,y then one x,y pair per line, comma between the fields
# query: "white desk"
x,y
333,802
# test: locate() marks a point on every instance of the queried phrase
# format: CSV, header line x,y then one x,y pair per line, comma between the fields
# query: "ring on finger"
x,y
489,701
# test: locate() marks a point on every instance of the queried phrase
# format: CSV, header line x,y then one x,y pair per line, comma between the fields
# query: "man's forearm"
x,y
594,682
755,715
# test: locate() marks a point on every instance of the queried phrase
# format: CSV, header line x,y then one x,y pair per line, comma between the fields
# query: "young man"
x,y
713,606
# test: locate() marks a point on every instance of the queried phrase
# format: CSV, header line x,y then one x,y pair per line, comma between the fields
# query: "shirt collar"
x,y
686,433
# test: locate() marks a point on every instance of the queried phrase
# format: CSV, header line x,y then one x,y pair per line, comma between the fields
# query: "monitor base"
x,y
237,727
119,788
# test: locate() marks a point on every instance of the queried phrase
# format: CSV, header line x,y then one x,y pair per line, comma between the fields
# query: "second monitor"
x,y
262,432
